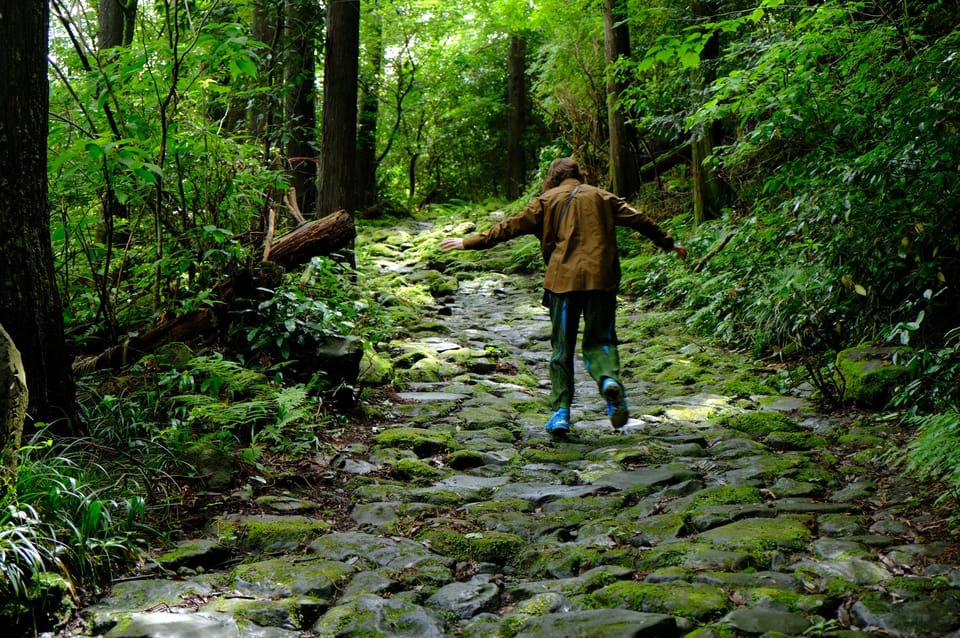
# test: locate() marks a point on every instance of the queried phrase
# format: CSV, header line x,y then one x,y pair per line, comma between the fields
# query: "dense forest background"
x,y
806,153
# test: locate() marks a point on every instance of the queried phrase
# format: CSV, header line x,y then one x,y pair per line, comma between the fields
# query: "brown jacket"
x,y
580,250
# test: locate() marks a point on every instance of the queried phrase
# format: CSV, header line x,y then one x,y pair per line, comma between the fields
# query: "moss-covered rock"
x,y
760,534
759,424
269,533
417,471
422,442
464,459
869,375
375,368
487,546
696,601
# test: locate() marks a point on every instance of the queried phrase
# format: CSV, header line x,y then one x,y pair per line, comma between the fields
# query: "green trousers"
x,y
600,355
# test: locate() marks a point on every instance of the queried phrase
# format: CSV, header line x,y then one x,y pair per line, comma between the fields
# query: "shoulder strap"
x,y
563,211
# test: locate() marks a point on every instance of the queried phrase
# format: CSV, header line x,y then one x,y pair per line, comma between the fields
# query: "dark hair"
x,y
561,169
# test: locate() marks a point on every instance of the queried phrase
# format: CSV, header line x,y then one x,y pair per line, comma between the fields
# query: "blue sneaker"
x,y
616,403
559,423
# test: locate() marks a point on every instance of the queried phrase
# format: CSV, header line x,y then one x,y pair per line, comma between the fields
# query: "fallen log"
x,y
312,239
665,161
320,237
186,328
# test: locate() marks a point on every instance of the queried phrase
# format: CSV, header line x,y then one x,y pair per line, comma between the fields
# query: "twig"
x,y
710,255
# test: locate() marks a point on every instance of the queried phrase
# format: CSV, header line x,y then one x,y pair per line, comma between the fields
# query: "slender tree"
x,y
624,146
302,24
371,76
708,190
516,117
115,22
339,127
30,307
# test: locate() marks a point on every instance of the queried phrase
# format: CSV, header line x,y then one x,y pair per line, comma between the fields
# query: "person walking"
x,y
576,225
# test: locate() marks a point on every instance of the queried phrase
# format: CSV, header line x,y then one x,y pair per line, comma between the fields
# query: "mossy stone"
x,y
696,601
420,472
868,374
464,459
760,534
422,442
488,546
759,424
270,533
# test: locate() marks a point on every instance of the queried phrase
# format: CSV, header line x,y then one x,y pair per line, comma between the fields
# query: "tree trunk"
x,y
264,109
709,192
13,407
516,120
624,148
302,24
115,22
339,127
30,307
319,237
368,194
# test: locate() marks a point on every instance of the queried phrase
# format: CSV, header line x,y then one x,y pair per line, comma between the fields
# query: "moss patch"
x,y
690,600
760,534
759,424
488,546
423,443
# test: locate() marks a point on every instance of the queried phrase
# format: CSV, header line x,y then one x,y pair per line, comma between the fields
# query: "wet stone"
x,y
369,615
923,618
834,549
468,599
601,623
756,621
646,479
196,625
839,525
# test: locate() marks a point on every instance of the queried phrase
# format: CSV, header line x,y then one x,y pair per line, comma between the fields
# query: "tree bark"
x,y
368,195
516,119
302,24
709,192
268,19
13,408
339,125
116,20
30,308
320,237
624,148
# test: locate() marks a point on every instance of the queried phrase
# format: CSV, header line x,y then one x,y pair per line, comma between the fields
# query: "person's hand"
x,y
452,243
680,250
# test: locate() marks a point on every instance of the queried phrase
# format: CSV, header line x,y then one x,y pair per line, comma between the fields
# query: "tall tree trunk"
x,y
302,25
624,147
370,78
517,117
268,18
30,307
339,127
709,192
115,22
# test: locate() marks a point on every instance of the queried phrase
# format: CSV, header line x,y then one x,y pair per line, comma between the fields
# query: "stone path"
x,y
721,509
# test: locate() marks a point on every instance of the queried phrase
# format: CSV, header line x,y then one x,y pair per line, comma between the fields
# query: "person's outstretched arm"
x,y
452,243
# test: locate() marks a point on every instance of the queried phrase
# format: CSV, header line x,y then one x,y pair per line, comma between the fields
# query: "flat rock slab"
x,y
601,623
197,625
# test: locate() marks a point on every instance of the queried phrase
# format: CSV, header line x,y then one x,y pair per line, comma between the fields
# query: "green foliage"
x,y
935,451
72,514
324,300
214,398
